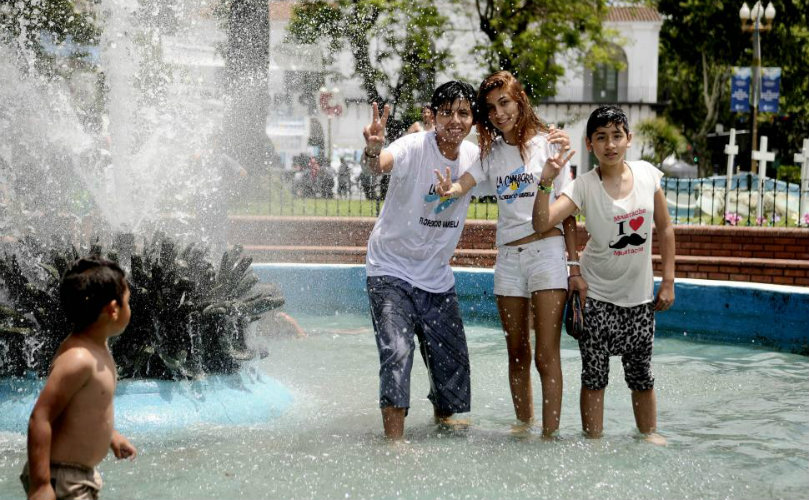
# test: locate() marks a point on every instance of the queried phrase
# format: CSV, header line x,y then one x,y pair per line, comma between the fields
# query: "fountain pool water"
x,y
161,406
734,415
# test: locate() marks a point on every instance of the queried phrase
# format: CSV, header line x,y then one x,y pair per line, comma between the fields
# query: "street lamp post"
x,y
330,111
751,23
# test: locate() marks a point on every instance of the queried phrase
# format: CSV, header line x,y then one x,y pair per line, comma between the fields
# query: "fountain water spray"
x,y
145,163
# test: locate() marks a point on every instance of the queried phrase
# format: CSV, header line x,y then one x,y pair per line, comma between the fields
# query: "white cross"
x,y
803,159
731,149
763,156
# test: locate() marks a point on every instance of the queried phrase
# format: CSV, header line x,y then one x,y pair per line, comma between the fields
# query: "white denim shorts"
x,y
538,265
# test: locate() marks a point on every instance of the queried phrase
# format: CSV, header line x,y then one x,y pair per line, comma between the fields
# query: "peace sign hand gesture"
x,y
554,165
444,185
374,132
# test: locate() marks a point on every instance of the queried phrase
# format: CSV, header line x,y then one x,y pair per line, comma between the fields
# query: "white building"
x,y
579,91
633,88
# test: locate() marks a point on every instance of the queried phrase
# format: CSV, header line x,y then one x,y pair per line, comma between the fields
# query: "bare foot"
x,y
656,439
453,422
550,435
521,428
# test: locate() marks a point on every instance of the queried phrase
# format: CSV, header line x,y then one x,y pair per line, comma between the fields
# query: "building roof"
x,y
281,11
633,14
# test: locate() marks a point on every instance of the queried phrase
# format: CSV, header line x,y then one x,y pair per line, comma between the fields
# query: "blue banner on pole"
x,y
770,88
740,90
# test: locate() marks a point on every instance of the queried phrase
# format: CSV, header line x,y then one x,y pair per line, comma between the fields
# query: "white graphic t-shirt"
x,y
514,183
417,231
617,261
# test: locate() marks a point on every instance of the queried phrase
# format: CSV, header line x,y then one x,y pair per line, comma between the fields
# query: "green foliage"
x,y
664,137
700,41
789,173
31,324
60,18
526,37
188,318
23,22
381,35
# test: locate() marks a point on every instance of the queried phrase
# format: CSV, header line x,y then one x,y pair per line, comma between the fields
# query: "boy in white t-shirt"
x,y
619,200
410,283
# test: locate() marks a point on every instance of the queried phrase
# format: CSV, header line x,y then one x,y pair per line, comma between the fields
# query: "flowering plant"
x,y
773,220
732,218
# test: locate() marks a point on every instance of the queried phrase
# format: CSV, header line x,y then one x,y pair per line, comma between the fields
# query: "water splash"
x,y
145,160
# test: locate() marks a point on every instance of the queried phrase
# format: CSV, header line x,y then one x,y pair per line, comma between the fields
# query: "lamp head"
x,y
757,11
744,12
769,12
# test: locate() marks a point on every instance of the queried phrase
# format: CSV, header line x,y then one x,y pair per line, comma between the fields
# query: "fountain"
x,y
707,197
733,413
131,180
145,161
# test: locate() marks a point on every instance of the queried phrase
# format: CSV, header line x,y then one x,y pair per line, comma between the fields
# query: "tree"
x,y
247,63
391,42
25,22
664,137
27,27
701,40
527,36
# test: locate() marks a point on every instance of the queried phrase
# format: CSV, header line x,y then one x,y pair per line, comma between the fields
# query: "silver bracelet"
x,y
573,263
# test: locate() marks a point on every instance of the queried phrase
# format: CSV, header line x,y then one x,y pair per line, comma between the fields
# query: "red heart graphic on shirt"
x,y
636,223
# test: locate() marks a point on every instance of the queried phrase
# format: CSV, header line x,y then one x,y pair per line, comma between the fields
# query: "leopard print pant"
x,y
611,330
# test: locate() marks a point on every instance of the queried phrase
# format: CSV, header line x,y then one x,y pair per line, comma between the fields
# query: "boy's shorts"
x,y
401,312
523,269
611,330
69,481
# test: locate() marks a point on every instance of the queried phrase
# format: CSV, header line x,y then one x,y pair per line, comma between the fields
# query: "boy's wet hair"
x,y
453,91
87,286
604,116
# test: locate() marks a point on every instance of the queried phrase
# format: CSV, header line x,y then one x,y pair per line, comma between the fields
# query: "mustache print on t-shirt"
x,y
633,239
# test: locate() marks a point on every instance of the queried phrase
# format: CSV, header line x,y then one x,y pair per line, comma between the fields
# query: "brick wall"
x,y
760,254
742,242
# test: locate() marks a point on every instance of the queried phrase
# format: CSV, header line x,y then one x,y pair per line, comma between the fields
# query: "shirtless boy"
x,y
71,425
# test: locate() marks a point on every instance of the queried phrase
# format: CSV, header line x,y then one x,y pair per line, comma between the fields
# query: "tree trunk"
x,y
714,81
246,84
